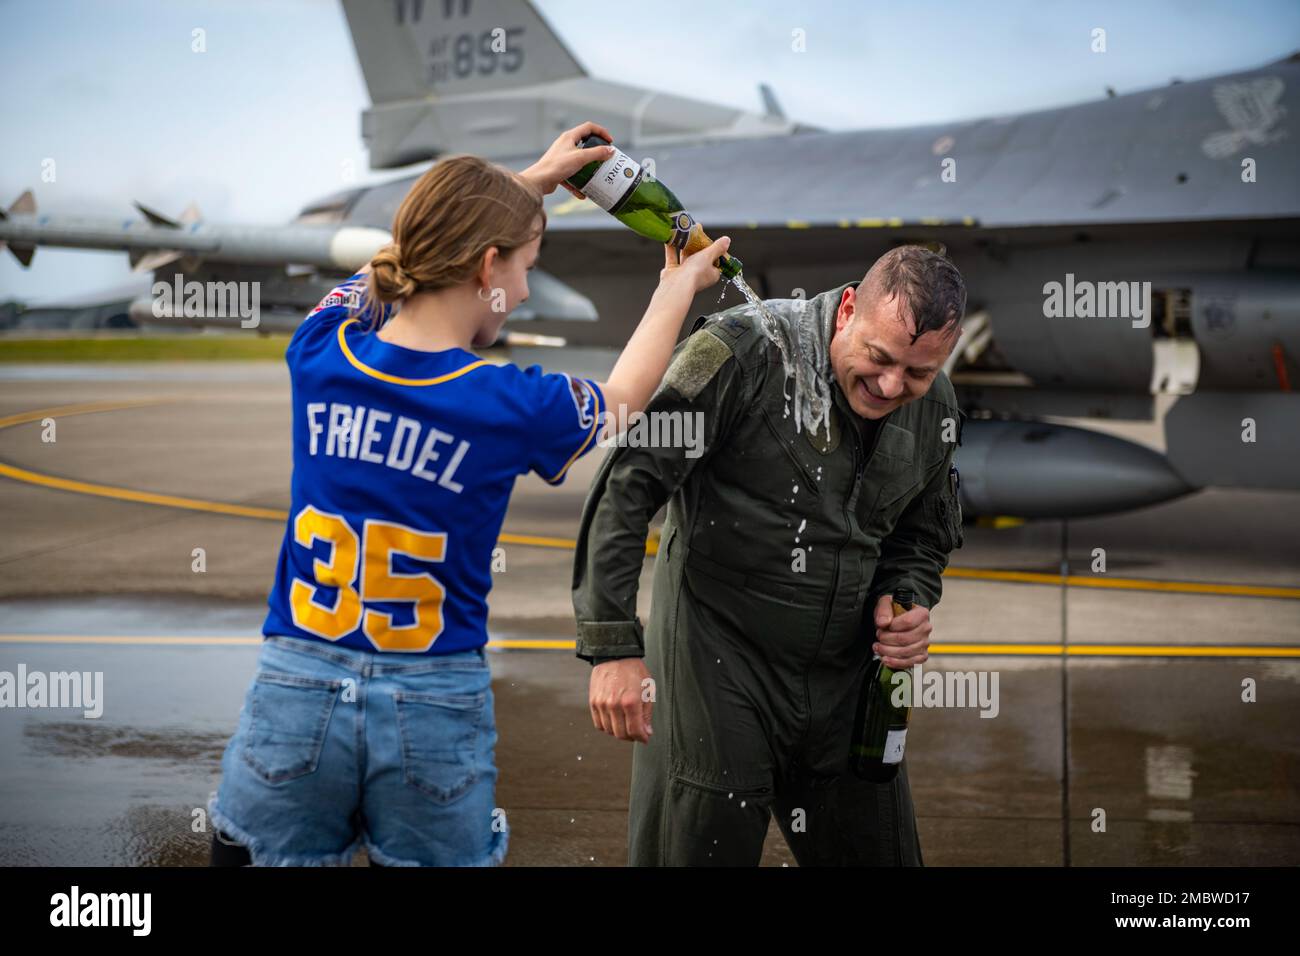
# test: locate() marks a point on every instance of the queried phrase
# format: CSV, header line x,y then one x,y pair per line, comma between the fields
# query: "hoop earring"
x,y
482,297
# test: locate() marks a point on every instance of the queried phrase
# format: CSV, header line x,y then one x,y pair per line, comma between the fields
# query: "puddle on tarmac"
x,y
86,739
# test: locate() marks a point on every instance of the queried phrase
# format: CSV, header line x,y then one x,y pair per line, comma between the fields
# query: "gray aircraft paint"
x,y
493,78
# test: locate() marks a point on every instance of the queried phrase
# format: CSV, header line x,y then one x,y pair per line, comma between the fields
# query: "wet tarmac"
x,y
1185,771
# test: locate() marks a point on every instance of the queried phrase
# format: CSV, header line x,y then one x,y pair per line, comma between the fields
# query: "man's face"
x,y
875,363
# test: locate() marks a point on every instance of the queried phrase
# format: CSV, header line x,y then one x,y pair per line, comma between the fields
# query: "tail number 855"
x,y
379,541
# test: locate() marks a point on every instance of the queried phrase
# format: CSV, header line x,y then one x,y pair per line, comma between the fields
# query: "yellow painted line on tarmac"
x,y
569,544
83,408
1126,584
527,644
214,641
1032,650
129,640
111,491
141,497
1117,650
1183,650
559,644
533,541
152,640
117,639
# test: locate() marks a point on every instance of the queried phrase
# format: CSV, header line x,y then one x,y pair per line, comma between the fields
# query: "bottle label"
x,y
894,746
613,181
683,223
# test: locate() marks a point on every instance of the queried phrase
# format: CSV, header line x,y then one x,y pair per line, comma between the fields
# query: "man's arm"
x,y
916,552
705,379
914,555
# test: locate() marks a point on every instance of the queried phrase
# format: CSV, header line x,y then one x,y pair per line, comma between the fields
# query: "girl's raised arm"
x,y
641,367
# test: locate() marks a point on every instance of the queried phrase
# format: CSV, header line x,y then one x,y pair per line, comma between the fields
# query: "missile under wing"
x,y
293,265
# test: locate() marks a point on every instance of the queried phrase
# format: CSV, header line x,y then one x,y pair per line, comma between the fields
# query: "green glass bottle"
x,y
642,203
880,730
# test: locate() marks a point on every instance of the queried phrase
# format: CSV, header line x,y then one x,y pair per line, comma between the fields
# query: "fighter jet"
x,y
311,257
1115,251
445,76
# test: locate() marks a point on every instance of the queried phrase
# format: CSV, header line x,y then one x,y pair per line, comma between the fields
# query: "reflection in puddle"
x,y
1169,773
83,739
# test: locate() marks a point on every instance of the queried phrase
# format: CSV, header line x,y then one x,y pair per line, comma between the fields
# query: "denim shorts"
x,y
338,748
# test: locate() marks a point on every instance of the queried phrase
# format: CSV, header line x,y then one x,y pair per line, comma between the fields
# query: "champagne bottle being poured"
x,y
645,205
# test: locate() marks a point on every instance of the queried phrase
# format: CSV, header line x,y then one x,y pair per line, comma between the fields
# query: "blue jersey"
x,y
403,464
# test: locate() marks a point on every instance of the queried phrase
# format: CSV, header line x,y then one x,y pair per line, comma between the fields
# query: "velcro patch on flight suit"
x,y
827,438
696,364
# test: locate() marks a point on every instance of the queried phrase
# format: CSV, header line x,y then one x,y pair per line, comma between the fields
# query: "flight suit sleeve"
x,y
916,552
633,483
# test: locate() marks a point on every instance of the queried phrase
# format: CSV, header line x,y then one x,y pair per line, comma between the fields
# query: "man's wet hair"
x,y
926,284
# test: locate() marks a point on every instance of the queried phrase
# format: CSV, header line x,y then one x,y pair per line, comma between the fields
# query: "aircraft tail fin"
x,y
493,78
414,49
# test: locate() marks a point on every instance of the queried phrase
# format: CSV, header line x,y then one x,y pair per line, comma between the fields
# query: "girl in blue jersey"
x,y
370,718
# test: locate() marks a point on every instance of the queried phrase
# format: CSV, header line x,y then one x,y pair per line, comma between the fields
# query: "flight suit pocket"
x,y
439,738
897,485
891,479
947,511
792,451
704,575
288,716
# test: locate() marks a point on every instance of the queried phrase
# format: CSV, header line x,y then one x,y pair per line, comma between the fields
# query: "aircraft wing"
x,y
1165,155
291,266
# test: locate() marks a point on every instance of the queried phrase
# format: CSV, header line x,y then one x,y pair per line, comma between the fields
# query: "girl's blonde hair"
x,y
451,216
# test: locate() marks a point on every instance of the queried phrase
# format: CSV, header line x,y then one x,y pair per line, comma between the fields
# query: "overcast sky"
x,y
268,118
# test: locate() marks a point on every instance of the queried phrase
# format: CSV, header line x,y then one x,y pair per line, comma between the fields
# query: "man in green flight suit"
x,y
824,482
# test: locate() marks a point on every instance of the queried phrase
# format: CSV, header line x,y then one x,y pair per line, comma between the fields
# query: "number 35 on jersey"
x,y
371,554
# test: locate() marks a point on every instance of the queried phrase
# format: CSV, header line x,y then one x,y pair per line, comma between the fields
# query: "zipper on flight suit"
x,y
859,470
